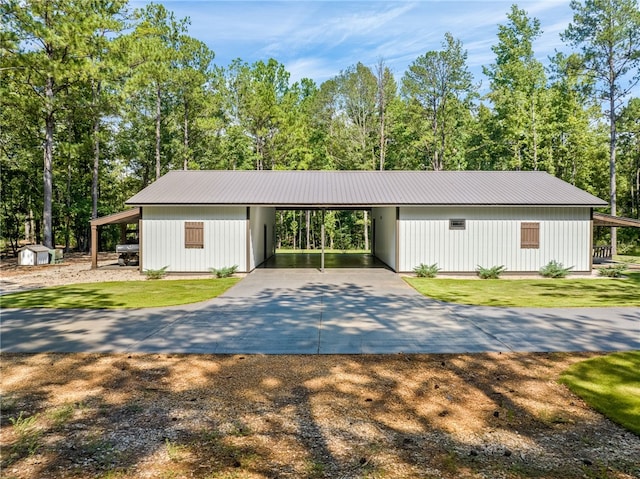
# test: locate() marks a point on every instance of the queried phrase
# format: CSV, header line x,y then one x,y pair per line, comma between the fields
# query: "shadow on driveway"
x,y
307,312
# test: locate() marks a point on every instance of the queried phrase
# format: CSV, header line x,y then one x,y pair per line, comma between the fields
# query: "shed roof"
x,y
601,219
36,248
362,188
129,216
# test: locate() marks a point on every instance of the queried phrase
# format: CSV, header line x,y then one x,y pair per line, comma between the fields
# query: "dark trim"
x,y
248,243
397,266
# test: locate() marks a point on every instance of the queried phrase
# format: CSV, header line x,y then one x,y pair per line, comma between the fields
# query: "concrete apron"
x,y
303,311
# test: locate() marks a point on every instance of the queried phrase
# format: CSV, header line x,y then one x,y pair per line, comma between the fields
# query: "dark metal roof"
x,y
361,188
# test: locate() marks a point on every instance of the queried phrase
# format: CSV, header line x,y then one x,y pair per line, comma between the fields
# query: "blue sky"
x,y
318,39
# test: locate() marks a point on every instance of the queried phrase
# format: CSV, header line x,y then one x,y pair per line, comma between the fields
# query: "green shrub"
x,y
224,272
614,271
553,269
490,273
629,248
156,273
426,271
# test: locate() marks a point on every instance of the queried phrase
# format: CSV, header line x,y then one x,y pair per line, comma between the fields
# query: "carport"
x,y
123,218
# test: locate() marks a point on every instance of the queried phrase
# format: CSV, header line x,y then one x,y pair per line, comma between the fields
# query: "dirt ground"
x,y
76,268
204,416
399,416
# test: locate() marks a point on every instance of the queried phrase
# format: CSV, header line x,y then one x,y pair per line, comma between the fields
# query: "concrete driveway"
x,y
303,311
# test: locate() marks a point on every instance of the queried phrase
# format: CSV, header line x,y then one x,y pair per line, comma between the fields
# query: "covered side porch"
x,y
603,252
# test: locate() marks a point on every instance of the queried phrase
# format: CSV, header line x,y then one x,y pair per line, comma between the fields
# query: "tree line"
x,y
99,100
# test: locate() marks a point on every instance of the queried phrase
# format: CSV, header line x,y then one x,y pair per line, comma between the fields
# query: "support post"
x,y
94,247
248,244
322,243
140,252
591,239
397,265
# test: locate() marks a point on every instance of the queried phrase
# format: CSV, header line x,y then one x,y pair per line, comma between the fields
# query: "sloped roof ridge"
x,y
334,188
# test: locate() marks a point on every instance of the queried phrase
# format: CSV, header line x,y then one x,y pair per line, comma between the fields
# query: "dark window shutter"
x,y
194,234
530,235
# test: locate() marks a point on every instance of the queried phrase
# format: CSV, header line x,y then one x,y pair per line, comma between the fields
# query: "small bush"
x,y
615,271
156,273
426,271
629,248
224,272
553,269
490,273
28,434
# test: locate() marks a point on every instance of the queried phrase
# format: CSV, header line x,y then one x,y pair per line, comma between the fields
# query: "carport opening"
x,y
348,239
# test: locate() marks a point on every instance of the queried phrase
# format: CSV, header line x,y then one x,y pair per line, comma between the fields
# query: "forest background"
x,y
98,100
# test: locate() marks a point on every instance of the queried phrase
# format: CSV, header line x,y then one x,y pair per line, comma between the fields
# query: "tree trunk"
x,y
637,195
300,230
48,166
535,135
612,166
96,153
158,118
67,215
280,215
366,230
382,108
308,226
186,135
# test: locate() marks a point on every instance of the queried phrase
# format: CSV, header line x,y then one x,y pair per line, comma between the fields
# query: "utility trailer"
x,y
128,254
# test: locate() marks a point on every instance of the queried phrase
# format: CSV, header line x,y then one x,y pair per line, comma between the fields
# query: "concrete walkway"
x,y
302,311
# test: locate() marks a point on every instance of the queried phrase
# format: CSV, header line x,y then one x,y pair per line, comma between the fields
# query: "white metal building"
x,y
195,220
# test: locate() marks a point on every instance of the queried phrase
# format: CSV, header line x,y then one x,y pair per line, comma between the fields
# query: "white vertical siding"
x,y
261,216
163,238
385,240
492,237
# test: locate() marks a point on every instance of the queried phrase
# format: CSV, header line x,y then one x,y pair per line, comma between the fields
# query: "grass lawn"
x,y
610,384
120,294
627,259
537,293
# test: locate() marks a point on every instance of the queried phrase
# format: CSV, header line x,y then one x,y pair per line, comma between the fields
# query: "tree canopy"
x,y
99,101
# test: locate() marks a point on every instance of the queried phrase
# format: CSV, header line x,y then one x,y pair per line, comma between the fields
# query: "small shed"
x,y
33,255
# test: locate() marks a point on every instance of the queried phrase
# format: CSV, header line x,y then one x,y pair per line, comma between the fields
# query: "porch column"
x,y
94,246
322,243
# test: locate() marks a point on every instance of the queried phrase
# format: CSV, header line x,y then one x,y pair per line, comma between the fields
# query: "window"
x,y
530,235
457,224
194,234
